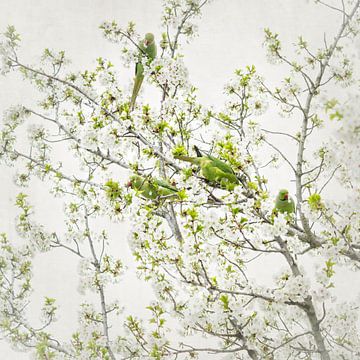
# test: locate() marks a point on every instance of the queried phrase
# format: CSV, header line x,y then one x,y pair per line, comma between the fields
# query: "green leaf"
x,y
314,202
225,300
329,268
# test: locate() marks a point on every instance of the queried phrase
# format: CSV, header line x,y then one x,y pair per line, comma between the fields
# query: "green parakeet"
x,y
152,188
148,48
284,203
213,169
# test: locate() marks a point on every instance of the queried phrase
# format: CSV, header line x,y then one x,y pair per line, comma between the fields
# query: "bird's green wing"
x,y
284,205
210,172
165,185
213,170
149,191
152,188
221,165
216,162
151,51
225,179
216,175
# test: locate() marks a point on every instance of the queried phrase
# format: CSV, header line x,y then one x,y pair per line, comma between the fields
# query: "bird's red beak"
x,y
286,196
129,184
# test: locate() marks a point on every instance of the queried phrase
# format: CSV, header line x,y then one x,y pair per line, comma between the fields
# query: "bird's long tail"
x,y
198,152
186,158
137,85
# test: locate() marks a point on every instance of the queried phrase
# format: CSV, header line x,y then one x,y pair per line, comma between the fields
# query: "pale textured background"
x,y
230,36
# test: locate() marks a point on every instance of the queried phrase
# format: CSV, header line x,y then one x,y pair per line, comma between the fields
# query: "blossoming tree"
x,y
200,248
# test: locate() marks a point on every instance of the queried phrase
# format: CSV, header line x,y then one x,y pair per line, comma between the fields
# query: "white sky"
x,y
230,36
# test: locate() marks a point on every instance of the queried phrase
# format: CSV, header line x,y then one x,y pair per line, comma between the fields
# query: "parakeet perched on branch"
x,y
147,48
213,169
284,203
152,188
